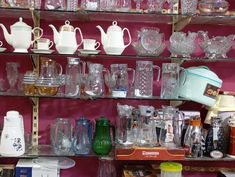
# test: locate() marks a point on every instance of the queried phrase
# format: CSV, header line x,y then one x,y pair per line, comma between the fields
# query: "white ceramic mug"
x,y
44,44
1,43
90,44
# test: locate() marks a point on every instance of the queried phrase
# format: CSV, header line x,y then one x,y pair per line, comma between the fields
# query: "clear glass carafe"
x,y
74,69
171,127
170,80
124,135
193,138
144,78
119,79
82,136
146,127
95,81
12,76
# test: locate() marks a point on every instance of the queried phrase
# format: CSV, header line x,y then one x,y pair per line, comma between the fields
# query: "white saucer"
x,y
88,52
2,49
41,51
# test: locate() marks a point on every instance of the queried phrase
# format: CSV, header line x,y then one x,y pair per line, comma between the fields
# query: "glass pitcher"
x,y
171,127
73,76
124,133
82,136
95,82
61,136
146,127
102,143
144,78
119,79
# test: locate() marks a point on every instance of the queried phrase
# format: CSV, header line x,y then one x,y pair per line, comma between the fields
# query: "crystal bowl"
x,y
213,6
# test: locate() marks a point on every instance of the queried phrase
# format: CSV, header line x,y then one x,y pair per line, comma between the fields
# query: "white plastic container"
x,y
199,84
171,169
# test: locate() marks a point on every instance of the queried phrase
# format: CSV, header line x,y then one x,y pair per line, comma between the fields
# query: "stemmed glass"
x,y
12,75
138,4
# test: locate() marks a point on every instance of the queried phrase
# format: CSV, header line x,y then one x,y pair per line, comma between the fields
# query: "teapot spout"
x,y
7,36
103,35
55,34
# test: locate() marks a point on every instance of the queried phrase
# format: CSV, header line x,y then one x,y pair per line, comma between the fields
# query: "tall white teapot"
x,y
21,35
65,39
112,41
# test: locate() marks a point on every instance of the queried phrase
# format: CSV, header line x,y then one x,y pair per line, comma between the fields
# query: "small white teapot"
x,y
112,41
65,40
21,35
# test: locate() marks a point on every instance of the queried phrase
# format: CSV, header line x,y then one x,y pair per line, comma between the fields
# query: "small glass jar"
x,y
171,169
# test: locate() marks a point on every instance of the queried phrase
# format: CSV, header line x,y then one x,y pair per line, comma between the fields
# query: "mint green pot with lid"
x,y
199,84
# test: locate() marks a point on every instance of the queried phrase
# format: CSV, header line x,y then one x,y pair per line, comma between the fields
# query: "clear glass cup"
x,y
106,167
170,80
55,4
123,5
72,5
108,5
90,4
12,76
189,6
154,5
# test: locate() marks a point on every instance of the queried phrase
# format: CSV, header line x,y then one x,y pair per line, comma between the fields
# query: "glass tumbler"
x,y
61,136
170,80
189,6
106,167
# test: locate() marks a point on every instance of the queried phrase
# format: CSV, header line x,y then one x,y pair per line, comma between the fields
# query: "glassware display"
x,y
106,167
144,78
182,44
171,127
170,80
61,136
82,136
74,70
149,42
12,76
146,127
102,142
189,6
124,134
95,82
193,139
215,7
216,47
215,139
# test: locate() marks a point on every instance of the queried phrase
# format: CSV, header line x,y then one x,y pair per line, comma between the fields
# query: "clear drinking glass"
x,y
55,4
90,4
12,75
107,5
124,5
154,5
61,136
106,167
189,6
170,79
72,5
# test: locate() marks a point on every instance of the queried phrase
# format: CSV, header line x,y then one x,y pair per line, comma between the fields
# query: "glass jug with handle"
x,y
144,78
95,82
82,136
119,79
102,142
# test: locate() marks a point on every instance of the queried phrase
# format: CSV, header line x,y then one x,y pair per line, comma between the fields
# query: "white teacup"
x,y
1,43
90,44
43,44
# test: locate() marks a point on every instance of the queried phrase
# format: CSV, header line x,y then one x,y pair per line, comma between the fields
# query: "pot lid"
x,y
205,72
114,27
21,24
67,27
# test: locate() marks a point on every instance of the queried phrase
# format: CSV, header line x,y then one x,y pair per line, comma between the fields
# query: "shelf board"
x,y
130,17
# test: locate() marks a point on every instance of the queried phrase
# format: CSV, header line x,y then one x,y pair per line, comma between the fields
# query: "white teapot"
x,y
112,41
21,35
65,39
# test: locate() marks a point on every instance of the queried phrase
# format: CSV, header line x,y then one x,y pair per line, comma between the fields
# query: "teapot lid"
x,y
20,24
67,27
114,27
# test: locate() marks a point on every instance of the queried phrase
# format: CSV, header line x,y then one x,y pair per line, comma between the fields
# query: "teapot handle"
x,y
129,35
41,33
80,32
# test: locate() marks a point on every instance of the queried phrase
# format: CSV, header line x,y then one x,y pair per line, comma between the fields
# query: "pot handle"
x,y
80,32
129,35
